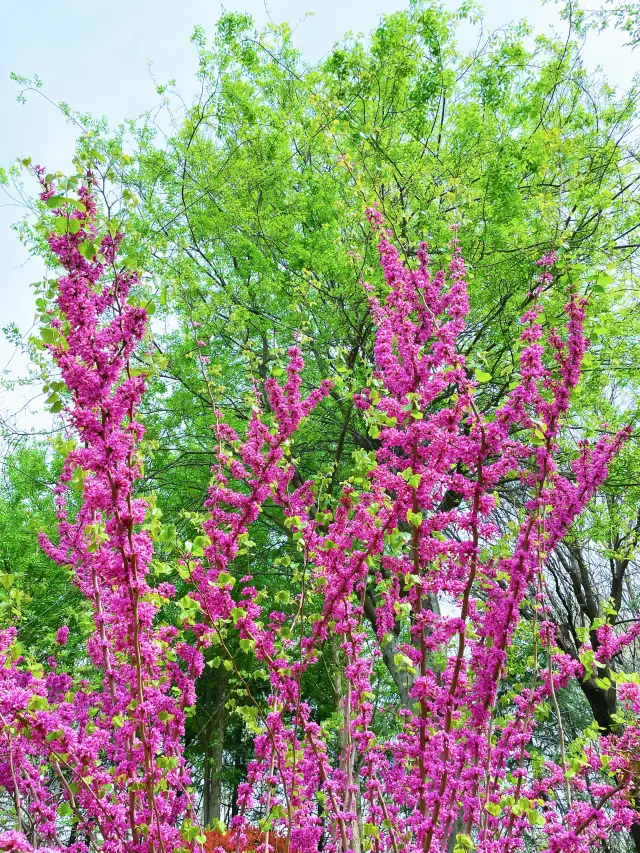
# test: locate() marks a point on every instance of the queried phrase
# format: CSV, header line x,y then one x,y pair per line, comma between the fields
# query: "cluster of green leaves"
x,y
35,594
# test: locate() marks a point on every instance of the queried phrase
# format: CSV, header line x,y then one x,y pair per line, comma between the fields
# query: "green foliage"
x,y
35,594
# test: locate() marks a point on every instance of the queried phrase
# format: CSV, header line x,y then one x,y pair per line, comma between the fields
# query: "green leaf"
x,y
167,533
371,830
37,703
604,280
53,735
87,249
60,224
59,200
482,376
238,613
199,544
535,818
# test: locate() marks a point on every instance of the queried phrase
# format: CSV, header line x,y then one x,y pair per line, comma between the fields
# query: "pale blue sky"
x,y
95,58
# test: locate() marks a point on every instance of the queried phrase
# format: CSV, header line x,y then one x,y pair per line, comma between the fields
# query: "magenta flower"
x,y
61,635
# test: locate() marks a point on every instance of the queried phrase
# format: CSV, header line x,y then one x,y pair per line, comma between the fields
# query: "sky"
x,y
101,63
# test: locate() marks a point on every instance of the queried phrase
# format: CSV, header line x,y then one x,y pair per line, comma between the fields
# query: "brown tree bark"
x,y
213,738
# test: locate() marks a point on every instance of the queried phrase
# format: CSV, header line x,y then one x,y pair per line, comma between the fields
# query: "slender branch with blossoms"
x,y
106,756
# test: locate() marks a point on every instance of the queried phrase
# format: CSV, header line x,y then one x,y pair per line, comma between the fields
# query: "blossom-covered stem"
x,y
100,615
392,835
604,799
530,702
464,612
268,802
334,803
415,548
556,708
16,789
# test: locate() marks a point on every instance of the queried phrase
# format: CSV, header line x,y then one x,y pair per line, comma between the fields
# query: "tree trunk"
x,y
456,829
219,725
207,815
213,736
239,773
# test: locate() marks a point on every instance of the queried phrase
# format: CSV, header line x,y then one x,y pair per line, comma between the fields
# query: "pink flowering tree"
x,y
408,569
101,756
417,554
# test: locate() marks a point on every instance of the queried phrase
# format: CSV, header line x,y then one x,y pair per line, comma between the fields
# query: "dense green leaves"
x,y
35,594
